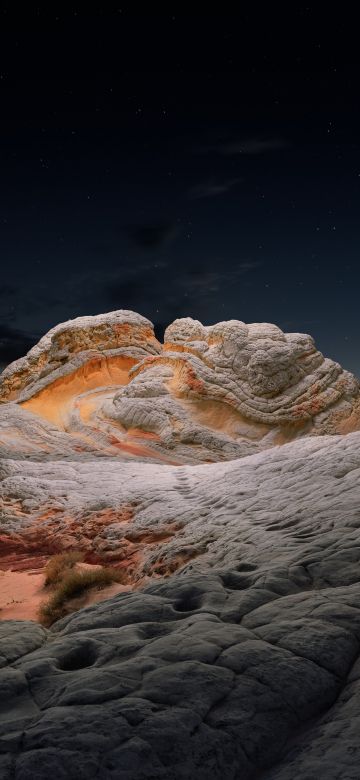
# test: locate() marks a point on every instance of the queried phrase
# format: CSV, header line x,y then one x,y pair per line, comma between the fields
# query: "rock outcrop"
x,y
96,341
104,384
220,472
244,663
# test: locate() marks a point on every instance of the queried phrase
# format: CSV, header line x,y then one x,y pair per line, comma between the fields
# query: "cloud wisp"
x,y
151,236
248,146
211,188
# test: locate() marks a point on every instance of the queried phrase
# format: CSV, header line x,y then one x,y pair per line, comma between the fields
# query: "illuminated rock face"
x,y
235,650
243,664
109,392
105,384
66,348
153,520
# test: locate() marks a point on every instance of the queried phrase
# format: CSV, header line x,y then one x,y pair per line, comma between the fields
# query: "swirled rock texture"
x,y
102,390
73,344
105,384
220,472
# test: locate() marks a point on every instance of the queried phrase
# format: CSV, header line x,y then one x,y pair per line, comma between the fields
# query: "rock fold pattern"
x,y
220,472
105,384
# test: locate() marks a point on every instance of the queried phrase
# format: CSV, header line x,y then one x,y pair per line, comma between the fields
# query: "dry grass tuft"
x,y
59,566
72,585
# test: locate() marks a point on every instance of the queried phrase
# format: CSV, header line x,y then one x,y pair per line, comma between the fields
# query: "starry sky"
x,y
180,165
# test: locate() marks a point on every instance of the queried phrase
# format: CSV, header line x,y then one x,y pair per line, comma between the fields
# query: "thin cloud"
x,y
211,189
152,235
249,146
171,290
160,290
200,281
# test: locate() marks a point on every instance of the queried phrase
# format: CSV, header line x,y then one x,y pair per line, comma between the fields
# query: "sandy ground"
x,y
21,593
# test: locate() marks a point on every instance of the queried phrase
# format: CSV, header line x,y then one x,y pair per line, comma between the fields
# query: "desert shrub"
x,y
60,565
73,585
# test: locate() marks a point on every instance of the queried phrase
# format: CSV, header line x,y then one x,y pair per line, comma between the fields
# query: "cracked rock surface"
x,y
105,385
195,677
244,663
220,472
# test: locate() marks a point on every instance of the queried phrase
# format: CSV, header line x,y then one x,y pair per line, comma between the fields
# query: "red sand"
x,y
21,593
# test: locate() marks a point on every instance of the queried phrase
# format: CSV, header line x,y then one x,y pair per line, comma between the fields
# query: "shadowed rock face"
x,y
202,676
235,651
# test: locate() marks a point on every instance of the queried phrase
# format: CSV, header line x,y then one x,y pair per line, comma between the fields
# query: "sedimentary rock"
x,y
152,520
213,393
245,663
67,347
221,473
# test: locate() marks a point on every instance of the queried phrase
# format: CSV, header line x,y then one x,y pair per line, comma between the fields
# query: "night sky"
x,y
180,165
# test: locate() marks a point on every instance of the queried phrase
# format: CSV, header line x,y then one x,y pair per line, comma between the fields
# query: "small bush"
x,y
60,565
72,585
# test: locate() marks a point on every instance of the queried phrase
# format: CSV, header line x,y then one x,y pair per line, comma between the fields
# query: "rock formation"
x,y
235,649
105,384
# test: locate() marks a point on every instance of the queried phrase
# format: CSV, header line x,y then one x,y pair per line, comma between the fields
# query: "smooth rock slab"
x,y
290,513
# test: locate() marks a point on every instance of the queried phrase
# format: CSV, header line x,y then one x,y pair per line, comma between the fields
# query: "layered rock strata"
x,y
220,472
105,384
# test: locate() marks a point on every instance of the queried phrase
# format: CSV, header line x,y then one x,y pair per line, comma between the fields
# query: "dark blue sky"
x,y
180,166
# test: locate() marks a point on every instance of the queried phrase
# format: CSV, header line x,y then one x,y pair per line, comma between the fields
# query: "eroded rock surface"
x,y
196,677
104,384
221,472
245,661
152,520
